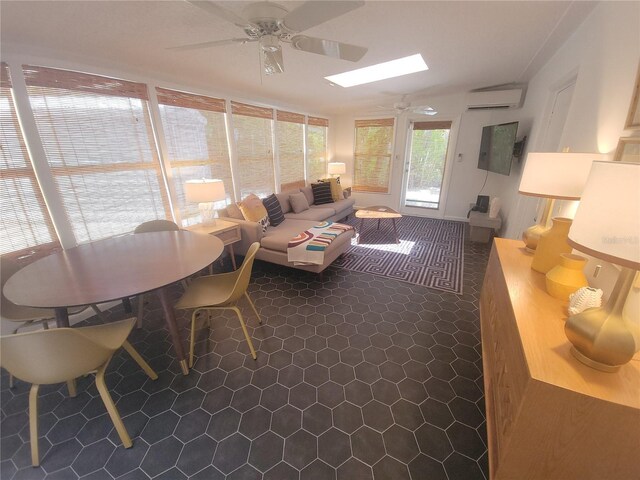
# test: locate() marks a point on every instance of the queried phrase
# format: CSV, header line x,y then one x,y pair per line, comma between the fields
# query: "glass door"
x,y
425,167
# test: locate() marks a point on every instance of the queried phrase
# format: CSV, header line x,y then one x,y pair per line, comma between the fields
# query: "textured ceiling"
x,y
467,45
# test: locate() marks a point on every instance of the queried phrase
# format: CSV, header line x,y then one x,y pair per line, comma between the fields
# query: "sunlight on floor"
x,y
404,247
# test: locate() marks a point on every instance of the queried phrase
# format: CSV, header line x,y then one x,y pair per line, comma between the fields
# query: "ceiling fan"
x,y
405,106
270,25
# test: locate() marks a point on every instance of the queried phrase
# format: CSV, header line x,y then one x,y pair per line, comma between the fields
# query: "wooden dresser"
x,y
548,415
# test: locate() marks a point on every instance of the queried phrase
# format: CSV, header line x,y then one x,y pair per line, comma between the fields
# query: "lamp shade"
x,y
336,168
607,222
205,190
556,175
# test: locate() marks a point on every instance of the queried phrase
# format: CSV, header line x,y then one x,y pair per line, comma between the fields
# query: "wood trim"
x,y
190,100
238,108
291,117
318,121
432,125
634,106
36,76
381,122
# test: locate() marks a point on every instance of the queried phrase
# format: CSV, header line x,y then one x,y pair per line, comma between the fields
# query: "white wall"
x,y
466,180
603,55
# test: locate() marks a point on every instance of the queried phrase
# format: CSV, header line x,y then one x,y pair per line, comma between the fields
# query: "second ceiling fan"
x,y
271,24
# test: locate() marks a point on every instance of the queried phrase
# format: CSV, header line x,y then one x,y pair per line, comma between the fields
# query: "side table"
x,y
228,232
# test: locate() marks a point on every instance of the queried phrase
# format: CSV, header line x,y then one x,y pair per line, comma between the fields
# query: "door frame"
x,y
448,167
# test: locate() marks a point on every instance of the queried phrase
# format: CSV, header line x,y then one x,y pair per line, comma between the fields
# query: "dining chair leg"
x,y
139,360
71,386
246,333
33,424
111,407
192,340
11,381
253,307
140,310
97,311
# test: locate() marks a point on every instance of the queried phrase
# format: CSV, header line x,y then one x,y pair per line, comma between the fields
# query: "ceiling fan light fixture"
x,y
270,43
381,71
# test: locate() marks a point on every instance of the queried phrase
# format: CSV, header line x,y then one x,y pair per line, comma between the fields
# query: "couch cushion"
x,y
271,203
283,198
298,202
308,192
313,213
343,205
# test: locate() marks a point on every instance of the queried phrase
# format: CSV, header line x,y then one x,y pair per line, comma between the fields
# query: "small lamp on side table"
x,y
336,168
607,226
204,192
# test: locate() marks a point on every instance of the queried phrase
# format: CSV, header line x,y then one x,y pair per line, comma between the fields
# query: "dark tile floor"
x,y
358,377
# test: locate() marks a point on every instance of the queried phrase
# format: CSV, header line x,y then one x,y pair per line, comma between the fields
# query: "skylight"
x,y
381,71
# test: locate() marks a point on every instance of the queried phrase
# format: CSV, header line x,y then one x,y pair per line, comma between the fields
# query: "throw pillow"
x,y
252,208
253,211
264,223
336,189
283,198
274,210
321,193
233,211
299,202
308,192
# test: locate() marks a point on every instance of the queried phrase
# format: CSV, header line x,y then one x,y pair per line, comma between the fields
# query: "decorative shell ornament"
x,y
585,297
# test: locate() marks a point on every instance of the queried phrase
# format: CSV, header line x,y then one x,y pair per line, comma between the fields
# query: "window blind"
x,y
253,139
25,224
97,136
372,155
290,129
196,138
316,148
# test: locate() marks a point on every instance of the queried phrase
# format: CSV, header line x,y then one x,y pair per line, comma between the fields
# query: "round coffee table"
x,y
377,212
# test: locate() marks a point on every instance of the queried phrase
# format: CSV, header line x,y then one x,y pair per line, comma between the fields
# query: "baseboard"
x,y
457,219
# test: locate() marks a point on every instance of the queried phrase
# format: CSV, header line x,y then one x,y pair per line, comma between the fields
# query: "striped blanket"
x,y
307,248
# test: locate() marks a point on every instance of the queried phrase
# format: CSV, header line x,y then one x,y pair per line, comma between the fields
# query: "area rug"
x,y
430,252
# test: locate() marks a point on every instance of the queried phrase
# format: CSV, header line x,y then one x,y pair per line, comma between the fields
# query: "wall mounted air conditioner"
x,y
495,99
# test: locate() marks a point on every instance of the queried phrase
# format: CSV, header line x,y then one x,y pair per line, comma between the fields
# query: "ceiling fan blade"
x,y
424,110
214,43
219,11
314,13
330,48
273,62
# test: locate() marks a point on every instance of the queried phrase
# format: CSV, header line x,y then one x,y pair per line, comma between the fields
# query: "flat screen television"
x,y
496,148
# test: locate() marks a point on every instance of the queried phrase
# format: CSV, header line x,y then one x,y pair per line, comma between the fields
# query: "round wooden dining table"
x,y
113,269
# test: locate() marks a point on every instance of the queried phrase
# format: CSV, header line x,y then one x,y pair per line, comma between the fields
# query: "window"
x,y
316,148
196,138
290,129
253,141
25,221
372,155
97,137
429,142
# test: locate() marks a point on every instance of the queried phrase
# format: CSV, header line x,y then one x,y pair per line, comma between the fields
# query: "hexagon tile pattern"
x,y
358,377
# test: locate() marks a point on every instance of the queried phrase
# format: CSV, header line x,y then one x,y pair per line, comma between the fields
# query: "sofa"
x,y
274,241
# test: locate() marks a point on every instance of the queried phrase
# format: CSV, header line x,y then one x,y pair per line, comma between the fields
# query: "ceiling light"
x,y
381,71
